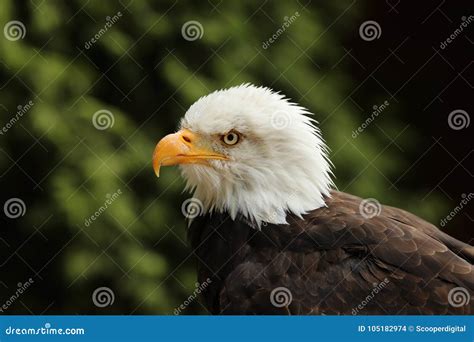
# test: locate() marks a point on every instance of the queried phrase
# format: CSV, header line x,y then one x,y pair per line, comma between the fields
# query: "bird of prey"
x,y
274,237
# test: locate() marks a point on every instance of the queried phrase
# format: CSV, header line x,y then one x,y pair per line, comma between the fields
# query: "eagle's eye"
x,y
231,138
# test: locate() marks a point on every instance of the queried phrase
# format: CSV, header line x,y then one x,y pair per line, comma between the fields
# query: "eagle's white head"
x,y
249,151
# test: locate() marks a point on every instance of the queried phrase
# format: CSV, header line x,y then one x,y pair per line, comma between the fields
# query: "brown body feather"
x,y
333,261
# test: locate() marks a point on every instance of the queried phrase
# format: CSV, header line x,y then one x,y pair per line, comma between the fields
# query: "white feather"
x,y
280,166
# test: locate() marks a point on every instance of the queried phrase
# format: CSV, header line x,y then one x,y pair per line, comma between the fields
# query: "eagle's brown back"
x,y
333,261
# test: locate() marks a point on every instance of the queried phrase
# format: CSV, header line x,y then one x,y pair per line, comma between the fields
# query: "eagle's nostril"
x,y
186,138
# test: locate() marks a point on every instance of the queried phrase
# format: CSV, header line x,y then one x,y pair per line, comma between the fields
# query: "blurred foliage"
x,y
146,75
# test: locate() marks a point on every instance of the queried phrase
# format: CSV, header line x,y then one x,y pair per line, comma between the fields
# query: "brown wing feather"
x,y
335,261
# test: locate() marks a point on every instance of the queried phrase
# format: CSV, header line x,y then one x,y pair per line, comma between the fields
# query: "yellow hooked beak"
x,y
183,147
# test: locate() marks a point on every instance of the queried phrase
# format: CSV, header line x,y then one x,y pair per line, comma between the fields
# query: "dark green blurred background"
x,y
143,71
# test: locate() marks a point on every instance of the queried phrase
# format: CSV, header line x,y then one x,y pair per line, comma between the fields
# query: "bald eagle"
x,y
274,237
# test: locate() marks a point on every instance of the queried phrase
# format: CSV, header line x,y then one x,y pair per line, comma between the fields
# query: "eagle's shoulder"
x,y
392,236
330,260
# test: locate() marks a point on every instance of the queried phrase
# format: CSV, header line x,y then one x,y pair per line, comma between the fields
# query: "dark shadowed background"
x,y
87,88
